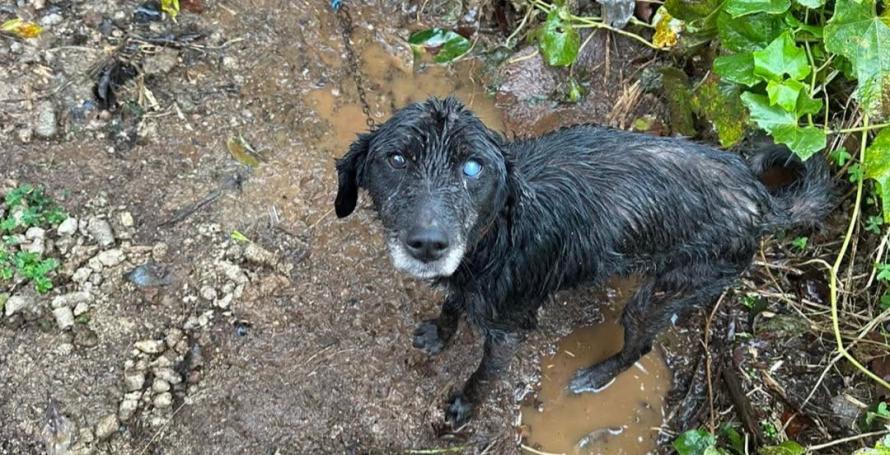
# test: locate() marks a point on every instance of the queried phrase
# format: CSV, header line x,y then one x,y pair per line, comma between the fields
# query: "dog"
x,y
500,225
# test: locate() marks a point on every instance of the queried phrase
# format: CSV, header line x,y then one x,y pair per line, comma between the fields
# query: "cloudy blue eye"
x,y
397,160
472,168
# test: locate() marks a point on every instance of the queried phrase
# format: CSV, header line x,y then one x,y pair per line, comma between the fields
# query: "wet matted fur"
x,y
500,225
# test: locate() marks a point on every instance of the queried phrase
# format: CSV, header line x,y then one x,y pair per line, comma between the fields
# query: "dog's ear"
x,y
349,172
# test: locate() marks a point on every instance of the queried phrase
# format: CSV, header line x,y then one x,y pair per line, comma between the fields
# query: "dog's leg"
x,y
650,311
432,335
498,352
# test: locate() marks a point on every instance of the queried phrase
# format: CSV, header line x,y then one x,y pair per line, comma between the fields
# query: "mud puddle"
x,y
623,419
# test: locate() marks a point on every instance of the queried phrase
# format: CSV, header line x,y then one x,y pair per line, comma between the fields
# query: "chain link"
x,y
353,64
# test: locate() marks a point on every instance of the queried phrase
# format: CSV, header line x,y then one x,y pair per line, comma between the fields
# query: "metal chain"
x,y
353,64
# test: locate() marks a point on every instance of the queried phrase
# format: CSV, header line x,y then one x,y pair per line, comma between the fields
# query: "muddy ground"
x,y
298,341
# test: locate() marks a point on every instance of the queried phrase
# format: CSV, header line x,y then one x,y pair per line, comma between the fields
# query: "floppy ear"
x,y
349,170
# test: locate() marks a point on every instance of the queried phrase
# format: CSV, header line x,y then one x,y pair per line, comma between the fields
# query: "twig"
x,y
707,338
847,439
442,450
538,452
740,400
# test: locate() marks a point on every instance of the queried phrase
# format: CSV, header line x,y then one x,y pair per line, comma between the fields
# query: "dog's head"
x,y
437,177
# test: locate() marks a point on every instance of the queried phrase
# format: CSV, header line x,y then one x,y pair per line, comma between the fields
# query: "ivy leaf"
x,y
720,104
443,45
883,272
857,33
694,442
738,68
751,34
808,105
691,10
782,125
738,8
558,41
784,94
782,56
785,448
877,168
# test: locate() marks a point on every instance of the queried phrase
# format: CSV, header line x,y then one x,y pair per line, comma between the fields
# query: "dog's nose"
x,y
427,244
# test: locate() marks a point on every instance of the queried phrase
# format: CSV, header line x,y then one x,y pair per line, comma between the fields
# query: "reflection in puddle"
x,y
623,419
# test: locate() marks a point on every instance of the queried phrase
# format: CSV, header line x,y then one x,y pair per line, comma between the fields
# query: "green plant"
x,y
27,206
727,442
881,448
800,243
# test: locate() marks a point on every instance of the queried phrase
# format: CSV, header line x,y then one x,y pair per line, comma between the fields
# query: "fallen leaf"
x,y
21,28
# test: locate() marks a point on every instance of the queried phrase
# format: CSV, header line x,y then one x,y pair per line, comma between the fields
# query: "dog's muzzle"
x,y
426,254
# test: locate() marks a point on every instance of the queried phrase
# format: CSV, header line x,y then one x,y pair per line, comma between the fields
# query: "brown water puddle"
x,y
623,419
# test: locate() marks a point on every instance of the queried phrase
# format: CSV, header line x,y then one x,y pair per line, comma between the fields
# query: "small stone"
x,y
150,346
126,219
163,400
35,233
182,347
37,246
85,337
208,293
161,62
25,135
95,264
46,123
167,374
111,258
71,299
259,255
68,227
51,19
159,251
134,380
64,317
160,386
100,230
17,303
65,349
106,427
82,274
128,407
96,279
232,272
81,308
225,302
173,336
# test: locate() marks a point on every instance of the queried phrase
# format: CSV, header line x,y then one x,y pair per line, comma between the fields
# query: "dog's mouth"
x,y
440,268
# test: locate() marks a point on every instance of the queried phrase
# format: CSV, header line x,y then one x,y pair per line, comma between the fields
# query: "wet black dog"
x,y
501,225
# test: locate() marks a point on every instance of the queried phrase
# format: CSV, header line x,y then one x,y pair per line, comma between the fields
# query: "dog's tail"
x,y
807,200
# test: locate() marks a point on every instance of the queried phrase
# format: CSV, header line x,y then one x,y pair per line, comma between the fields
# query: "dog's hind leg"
x,y
432,335
651,310
497,354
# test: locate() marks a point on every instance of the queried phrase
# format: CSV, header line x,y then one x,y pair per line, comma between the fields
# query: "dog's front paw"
x,y
458,411
428,337
591,380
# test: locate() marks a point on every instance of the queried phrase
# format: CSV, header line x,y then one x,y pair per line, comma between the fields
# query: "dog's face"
x,y
437,177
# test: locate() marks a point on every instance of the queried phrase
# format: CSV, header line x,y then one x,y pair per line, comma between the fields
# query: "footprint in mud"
x,y
622,419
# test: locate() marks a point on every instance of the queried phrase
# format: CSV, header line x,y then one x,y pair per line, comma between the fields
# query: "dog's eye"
x,y
472,168
397,160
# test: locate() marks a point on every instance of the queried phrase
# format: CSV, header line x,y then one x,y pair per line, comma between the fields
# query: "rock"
x,y
64,317
159,251
225,302
128,406
100,230
160,386
46,122
232,272
161,62
81,308
150,346
259,255
37,246
208,293
85,337
106,427
163,400
845,410
71,299
25,135
149,275
68,227
126,219
173,337
134,380
111,258
51,19
82,275
167,374
35,233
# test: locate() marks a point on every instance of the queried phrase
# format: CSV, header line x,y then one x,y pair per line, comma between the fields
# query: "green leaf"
x,y
691,10
782,56
885,302
877,168
784,94
732,436
881,448
785,448
807,105
738,68
575,91
558,41
443,45
873,224
720,104
694,442
751,34
800,243
859,34
171,7
782,125
840,156
812,4
738,8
